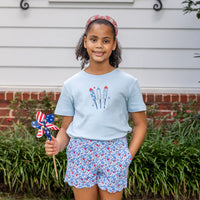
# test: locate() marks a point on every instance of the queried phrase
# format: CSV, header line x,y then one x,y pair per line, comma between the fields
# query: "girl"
x,y
95,105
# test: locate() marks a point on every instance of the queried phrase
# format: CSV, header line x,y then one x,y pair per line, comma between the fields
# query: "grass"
x,y
4,196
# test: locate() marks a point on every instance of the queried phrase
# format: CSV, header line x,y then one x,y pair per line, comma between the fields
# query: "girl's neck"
x,y
99,69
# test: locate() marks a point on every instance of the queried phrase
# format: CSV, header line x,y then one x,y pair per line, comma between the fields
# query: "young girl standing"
x,y
95,105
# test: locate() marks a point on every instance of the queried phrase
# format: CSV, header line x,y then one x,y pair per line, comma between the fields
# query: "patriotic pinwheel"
x,y
43,123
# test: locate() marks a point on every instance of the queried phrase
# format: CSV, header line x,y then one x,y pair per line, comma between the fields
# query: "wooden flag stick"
x,y
55,167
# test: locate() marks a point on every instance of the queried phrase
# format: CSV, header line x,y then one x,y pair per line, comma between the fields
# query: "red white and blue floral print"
x,y
104,163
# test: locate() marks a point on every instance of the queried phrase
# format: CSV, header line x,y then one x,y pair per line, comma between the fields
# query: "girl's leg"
x,y
86,193
105,195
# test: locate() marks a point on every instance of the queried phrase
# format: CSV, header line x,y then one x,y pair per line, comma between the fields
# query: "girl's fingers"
x,y
51,151
51,147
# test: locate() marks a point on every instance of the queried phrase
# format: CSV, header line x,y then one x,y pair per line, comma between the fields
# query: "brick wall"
x,y
163,101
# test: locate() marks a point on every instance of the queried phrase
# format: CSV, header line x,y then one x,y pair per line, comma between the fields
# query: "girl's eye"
x,y
93,40
106,41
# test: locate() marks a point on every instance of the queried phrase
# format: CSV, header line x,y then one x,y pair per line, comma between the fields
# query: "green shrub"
x,y
166,165
25,110
25,168
168,162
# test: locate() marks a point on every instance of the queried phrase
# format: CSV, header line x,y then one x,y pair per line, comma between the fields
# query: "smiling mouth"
x,y
99,54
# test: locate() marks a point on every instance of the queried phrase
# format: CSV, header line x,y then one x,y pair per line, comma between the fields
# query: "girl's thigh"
x,y
105,195
86,193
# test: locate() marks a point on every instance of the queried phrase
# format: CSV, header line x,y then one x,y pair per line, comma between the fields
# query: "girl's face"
x,y
99,43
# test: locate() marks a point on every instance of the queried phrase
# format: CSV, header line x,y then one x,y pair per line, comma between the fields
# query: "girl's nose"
x,y
99,44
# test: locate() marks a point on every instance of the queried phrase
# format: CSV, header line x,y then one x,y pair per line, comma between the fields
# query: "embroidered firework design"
x,y
99,99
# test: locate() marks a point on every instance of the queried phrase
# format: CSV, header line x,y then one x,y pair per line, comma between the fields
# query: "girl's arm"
x,y
139,131
61,141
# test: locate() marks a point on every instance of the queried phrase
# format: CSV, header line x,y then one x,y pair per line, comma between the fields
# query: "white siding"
x,y
37,45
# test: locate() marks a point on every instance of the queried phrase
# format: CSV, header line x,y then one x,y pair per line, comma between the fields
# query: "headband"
x,y
107,18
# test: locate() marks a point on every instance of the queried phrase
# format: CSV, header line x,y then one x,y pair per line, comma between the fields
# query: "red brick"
x,y
9,96
177,106
163,114
198,98
192,97
57,96
54,96
150,98
167,98
144,97
18,95
26,95
2,95
175,98
183,98
7,121
165,106
50,94
4,104
158,98
41,95
34,95
4,112
3,128
22,113
164,102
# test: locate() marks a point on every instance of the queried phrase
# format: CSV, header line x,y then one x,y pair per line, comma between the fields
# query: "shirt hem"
x,y
138,110
102,139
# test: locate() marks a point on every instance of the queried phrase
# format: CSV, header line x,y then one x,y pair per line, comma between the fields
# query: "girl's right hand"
x,y
51,147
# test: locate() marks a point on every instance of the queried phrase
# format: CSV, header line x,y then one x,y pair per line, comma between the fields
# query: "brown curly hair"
x,y
81,51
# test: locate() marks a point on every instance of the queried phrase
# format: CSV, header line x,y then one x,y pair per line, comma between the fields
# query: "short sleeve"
x,y
135,99
65,105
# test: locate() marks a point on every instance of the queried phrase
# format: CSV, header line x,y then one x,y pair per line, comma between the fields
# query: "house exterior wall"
x,y
37,46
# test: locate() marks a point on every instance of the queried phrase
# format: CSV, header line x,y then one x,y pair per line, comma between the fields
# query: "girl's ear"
x,y
85,41
114,45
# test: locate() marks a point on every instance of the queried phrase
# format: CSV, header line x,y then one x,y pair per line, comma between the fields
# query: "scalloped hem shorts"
x,y
104,163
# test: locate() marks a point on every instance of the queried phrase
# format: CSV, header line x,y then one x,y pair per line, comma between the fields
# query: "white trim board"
x,y
58,89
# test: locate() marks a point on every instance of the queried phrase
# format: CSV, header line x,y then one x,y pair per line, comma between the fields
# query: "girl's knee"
x,y
86,193
105,195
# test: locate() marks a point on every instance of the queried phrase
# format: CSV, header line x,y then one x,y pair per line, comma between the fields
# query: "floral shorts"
x,y
104,163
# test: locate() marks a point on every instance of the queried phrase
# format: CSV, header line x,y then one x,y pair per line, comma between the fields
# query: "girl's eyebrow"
x,y
94,36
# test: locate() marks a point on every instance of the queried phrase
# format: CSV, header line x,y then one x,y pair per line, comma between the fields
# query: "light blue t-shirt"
x,y
100,104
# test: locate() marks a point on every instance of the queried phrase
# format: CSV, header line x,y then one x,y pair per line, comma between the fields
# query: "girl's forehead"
x,y
100,29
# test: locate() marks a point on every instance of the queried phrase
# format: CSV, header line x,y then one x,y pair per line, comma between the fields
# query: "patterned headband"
x,y
107,18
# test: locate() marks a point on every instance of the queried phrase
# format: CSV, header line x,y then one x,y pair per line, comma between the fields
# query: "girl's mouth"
x,y
99,54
